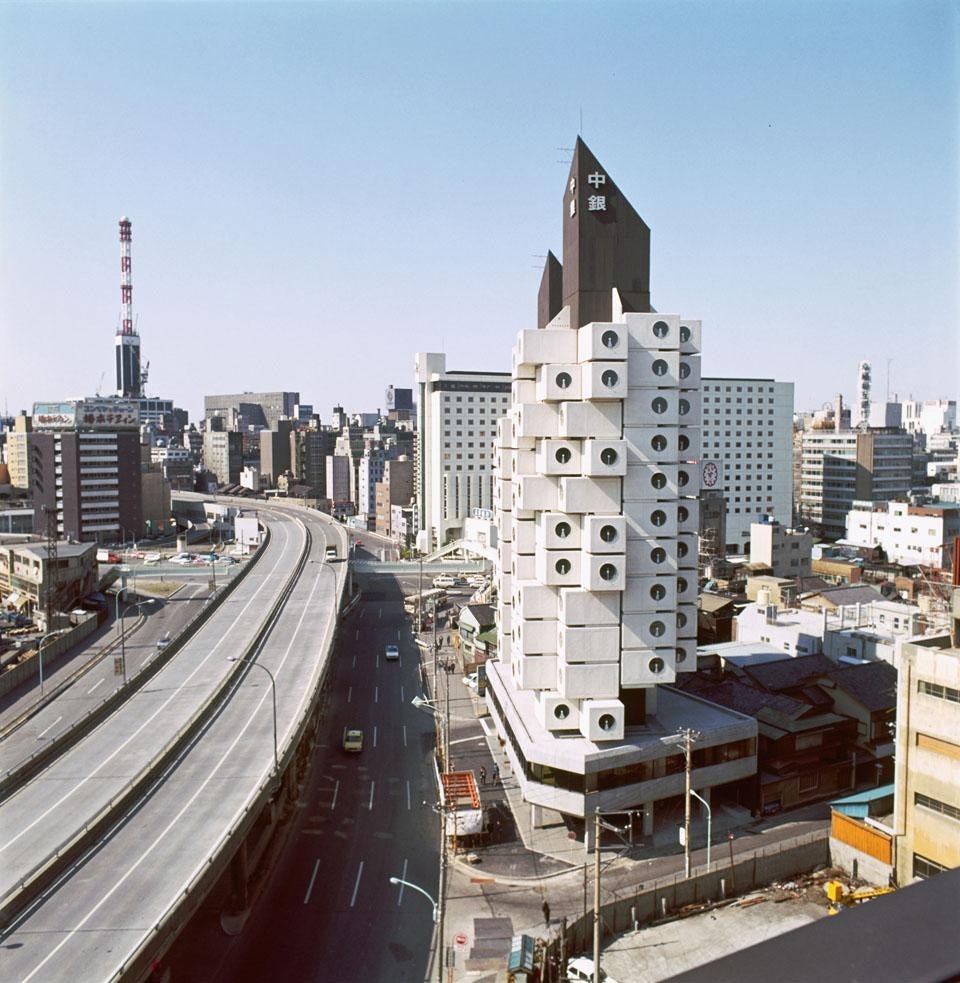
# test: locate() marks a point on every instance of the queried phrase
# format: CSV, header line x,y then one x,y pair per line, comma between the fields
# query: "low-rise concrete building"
x,y
786,551
927,806
920,535
30,575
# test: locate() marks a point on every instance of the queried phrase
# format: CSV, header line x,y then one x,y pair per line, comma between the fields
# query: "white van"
x,y
444,580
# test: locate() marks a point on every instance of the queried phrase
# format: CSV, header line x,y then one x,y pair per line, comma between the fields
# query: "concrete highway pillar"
x,y
648,818
238,877
536,815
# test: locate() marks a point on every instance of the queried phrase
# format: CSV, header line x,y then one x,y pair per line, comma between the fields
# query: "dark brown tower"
x,y
605,245
550,296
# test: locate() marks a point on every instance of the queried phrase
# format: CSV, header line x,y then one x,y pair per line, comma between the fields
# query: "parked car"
x,y
470,680
443,581
184,558
580,969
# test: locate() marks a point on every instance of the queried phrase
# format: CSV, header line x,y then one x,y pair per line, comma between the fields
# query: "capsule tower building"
x,y
127,340
596,504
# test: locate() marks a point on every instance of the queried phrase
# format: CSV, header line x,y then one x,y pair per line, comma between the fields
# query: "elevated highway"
x,y
105,854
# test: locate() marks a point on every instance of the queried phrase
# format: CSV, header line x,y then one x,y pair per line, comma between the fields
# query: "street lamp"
x,y
443,720
709,822
273,690
43,640
416,887
123,646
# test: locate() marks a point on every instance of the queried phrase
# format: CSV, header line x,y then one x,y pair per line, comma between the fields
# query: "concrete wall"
x,y
52,651
662,898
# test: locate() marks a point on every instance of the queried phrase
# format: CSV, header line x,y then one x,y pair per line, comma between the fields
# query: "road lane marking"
x,y
373,785
408,796
357,635
350,694
401,693
403,878
54,724
336,791
378,660
374,736
94,686
398,634
376,694
356,886
354,665
306,897
404,735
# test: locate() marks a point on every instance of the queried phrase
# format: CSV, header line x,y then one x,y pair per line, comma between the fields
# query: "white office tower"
x,y
597,507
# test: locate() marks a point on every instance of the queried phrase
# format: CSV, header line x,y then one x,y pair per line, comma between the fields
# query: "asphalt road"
x,y
142,631
327,911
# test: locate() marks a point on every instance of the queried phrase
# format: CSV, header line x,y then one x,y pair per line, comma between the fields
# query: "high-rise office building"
x,y
85,462
839,467
259,410
747,451
597,514
457,425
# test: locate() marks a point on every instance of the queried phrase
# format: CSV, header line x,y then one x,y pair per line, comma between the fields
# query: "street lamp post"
x,y
43,641
123,646
709,822
273,691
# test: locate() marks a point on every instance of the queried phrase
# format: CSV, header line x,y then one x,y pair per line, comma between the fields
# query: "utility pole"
x,y
441,901
689,736
596,896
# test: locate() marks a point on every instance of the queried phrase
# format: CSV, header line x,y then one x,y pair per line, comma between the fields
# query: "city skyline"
x,y
369,176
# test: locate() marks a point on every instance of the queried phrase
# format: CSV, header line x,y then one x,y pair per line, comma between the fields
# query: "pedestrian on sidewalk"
x,y
546,912
483,775
496,774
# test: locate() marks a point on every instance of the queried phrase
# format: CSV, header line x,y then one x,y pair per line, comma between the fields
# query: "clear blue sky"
x,y
320,190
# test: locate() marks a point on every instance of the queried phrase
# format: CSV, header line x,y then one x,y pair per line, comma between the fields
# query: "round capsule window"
x,y
659,405
562,530
659,367
608,571
606,721
610,339
563,380
683,441
681,548
682,478
684,333
661,329
609,456
656,665
684,370
561,711
658,479
681,655
683,513
659,442
608,533
658,592
681,619
658,554
681,584
562,566
684,406
563,455
658,517
609,378
657,628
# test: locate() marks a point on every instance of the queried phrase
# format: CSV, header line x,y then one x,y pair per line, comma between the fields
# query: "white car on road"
x,y
391,652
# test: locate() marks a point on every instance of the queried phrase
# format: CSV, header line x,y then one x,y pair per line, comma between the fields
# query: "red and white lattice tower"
x,y
126,278
127,340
